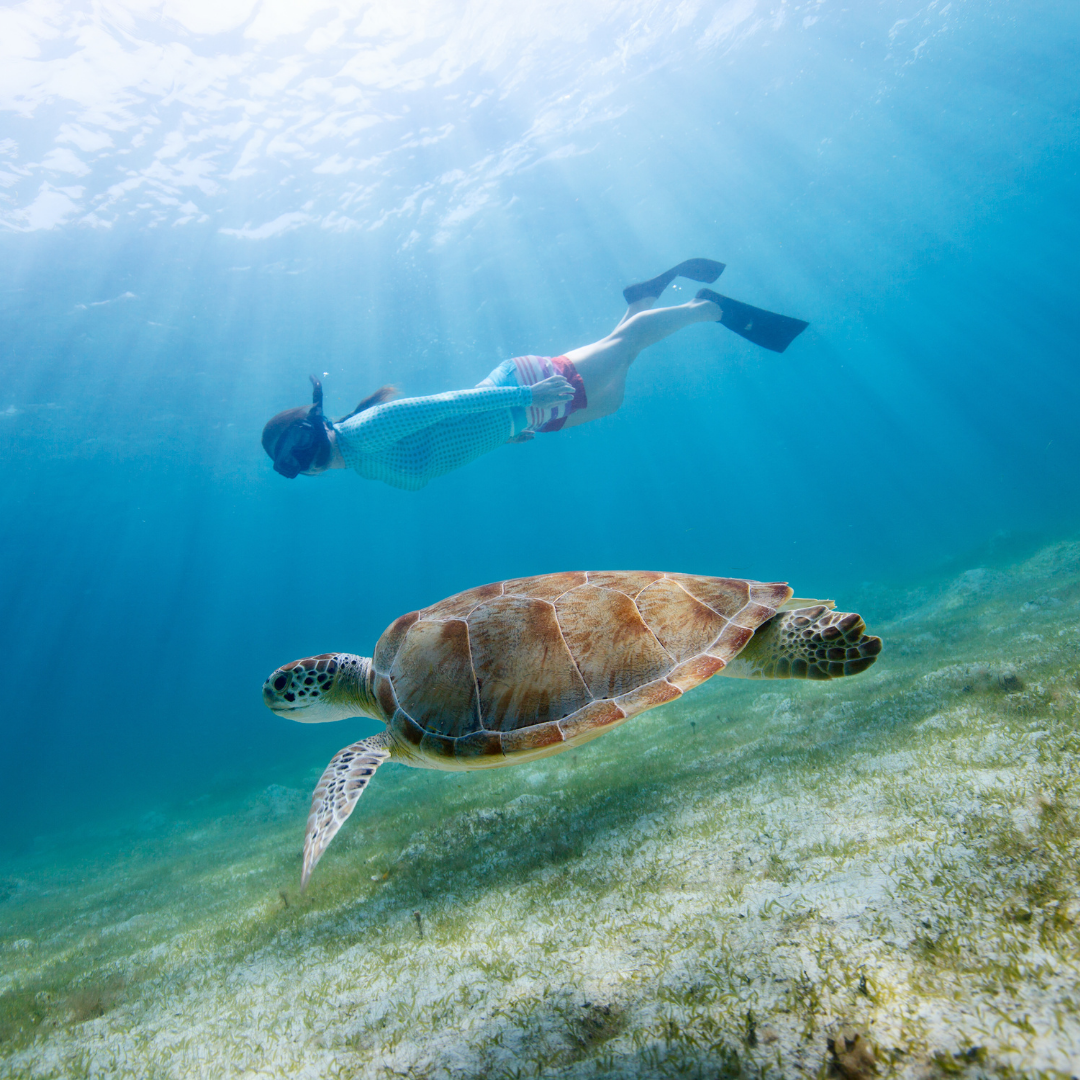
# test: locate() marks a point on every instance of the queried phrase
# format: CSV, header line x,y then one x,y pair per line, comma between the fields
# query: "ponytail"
x,y
384,393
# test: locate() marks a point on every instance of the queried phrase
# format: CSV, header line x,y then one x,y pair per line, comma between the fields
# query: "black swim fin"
x,y
764,328
706,270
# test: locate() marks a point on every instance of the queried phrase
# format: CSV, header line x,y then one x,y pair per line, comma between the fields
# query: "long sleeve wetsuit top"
x,y
406,443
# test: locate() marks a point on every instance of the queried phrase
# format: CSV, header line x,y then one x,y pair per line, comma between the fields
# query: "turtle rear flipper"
x,y
341,784
809,643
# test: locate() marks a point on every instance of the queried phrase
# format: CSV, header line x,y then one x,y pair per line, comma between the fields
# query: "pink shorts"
x,y
529,370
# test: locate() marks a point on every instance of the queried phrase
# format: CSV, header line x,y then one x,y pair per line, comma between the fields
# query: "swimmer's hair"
x,y
276,426
384,393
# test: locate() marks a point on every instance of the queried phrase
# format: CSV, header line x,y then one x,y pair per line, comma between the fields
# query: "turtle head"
x,y
318,689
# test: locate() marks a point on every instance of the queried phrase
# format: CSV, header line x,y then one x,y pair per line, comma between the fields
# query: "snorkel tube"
x,y
315,412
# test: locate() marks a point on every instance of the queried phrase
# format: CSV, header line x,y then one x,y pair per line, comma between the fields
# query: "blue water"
x,y
483,184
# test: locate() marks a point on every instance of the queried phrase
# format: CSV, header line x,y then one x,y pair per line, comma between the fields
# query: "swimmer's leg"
x,y
604,364
642,296
705,270
648,327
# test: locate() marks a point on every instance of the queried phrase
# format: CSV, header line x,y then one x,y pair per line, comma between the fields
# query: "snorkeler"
x,y
408,442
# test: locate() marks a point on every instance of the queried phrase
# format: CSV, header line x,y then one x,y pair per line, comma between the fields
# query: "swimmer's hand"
x,y
521,436
551,392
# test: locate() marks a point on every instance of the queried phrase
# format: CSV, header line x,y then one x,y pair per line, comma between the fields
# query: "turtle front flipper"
x,y
341,784
809,643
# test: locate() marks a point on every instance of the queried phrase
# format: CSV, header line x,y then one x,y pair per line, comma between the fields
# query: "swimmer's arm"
x,y
377,428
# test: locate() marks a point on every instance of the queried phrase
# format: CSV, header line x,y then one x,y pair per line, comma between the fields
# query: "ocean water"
x,y
202,204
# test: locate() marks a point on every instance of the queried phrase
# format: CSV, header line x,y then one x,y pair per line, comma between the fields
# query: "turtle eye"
x,y
279,682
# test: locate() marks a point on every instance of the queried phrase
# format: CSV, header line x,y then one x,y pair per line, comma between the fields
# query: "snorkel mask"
x,y
303,439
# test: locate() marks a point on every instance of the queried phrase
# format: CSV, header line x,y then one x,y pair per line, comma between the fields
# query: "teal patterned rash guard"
x,y
409,442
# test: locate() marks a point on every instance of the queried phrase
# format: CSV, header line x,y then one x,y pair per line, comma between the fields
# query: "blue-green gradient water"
x,y
203,205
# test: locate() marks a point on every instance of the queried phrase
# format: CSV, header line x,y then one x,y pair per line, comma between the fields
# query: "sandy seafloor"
x,y
719,888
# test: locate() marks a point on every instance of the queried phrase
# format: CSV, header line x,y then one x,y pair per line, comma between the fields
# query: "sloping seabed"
x,y
738,884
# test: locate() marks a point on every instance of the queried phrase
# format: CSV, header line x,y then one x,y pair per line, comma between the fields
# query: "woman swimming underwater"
x,y
408,442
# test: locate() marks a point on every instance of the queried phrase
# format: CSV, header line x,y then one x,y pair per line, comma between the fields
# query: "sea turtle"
x,y
521,669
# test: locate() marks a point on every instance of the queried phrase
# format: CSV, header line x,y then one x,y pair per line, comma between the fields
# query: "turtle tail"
x,y
808,643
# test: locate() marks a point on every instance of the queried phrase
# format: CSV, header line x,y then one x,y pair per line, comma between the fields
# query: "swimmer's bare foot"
x,y
712,298
714,312
706,270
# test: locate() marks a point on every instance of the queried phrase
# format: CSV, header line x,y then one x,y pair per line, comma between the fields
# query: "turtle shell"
x,y
532,666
